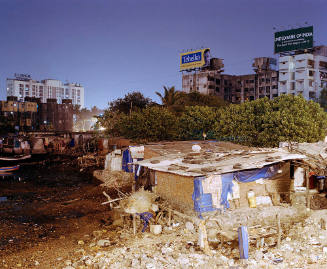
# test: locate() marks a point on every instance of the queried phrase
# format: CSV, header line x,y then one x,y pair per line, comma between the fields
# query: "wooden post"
x,y
203,239
307,185
169,217
279,230
134,225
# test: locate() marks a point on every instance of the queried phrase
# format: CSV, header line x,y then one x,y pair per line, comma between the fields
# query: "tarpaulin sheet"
x,y
127,160
244,177
227,187
255,174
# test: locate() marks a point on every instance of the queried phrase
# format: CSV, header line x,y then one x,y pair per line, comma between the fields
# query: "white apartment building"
x,y
304,74
24,86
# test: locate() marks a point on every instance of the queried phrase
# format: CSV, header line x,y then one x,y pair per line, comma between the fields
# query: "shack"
x,y
215,177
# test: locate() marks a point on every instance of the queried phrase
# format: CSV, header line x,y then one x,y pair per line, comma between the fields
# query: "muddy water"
x,y
42,203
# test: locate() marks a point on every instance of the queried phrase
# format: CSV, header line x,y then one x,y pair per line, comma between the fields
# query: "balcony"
x,y
301,64
284,76
284,66
302,57
301,75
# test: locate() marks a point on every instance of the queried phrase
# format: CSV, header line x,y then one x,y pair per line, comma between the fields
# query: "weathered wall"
x,y
280,184
176,189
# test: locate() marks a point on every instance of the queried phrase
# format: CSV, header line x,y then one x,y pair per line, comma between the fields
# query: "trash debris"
x,y
138,202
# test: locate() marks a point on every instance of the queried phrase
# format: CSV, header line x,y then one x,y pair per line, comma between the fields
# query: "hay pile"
x,y
138,202
114,179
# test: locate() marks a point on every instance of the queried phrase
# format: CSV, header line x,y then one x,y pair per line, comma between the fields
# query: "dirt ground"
x,y
47,213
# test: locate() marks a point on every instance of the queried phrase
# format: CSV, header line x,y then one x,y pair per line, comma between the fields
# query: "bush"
x,y
195,121
266,122
150,124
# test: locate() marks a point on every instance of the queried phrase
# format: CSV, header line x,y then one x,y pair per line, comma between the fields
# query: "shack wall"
x,y
273,187
176,189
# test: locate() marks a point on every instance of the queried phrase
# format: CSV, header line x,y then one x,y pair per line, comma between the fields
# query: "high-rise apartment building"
x,y
304,73
24,86
232,88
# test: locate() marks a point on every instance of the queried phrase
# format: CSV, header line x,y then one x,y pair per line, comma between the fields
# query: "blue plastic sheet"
x,y
137,170
202,201
227,187
244,176
127,158
145,216
255,174
243,242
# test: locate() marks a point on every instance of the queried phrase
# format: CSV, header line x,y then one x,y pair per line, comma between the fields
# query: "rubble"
x,y
303,244
117,179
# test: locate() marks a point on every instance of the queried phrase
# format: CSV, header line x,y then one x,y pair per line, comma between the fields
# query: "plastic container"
x,y
252,199
321,183
155,228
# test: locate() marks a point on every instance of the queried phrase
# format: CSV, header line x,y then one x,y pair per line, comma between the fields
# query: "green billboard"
x,y
294,39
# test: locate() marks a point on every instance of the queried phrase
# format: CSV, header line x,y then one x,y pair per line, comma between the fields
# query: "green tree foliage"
x,y
195,121
170,96
198,99
134,101
323,99
150,124
266,122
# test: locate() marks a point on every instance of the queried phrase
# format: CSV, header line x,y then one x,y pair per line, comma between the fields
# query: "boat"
x,y
9,169
13,160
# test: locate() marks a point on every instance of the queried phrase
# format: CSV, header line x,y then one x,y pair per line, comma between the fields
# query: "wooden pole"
x,y
169,217
307,185
134,225
279,230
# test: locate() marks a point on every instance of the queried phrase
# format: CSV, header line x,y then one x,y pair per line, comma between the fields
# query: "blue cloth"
x,y
137,170
72,143
244,176
145,216
255,174
227,187
127,158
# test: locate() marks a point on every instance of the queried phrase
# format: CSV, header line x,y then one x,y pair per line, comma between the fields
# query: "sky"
x,y
113,47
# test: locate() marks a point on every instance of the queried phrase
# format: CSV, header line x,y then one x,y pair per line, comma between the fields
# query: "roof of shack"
x,y
214,158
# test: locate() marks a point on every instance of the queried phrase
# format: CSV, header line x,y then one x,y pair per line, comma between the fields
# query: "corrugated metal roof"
x,y
218,162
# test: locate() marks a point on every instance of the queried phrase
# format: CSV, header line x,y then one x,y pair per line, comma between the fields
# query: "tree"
x,y
133,101
198,99
265,122
197,120
150,124
323,98
170,96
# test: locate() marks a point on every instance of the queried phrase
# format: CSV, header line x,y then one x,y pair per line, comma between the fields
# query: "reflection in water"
x,y
11,176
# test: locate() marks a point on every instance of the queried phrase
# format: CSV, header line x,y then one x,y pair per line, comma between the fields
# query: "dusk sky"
x,y
115,47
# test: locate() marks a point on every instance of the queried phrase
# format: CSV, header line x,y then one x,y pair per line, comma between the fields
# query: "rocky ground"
x,y
303,246
54,219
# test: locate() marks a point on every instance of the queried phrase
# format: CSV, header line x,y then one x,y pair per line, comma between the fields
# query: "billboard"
x,y
194,59
294,39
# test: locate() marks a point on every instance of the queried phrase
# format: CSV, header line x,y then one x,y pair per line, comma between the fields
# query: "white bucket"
x,y
155,228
